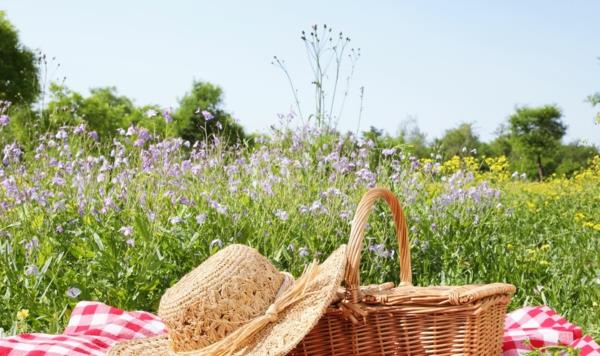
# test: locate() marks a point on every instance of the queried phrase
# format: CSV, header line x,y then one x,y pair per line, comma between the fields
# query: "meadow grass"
x,y
80,220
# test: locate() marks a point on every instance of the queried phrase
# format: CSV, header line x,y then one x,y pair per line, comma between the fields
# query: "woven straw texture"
x,y
406,320
228,298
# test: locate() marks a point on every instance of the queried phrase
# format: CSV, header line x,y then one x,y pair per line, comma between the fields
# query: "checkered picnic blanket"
x,y
94,327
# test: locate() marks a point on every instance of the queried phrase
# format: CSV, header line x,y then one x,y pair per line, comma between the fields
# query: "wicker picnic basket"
x,y
406,320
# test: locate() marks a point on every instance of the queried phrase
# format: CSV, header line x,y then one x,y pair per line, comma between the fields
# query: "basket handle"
x,y
357,232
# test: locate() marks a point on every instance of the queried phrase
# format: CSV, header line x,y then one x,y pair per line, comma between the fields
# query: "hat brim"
x,y
276,338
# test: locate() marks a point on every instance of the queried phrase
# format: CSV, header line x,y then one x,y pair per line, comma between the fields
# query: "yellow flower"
x,y
545,247
596,227
544,263
579,216
509,246
22,314
531,205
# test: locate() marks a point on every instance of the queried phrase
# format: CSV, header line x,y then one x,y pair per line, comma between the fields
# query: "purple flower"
x,y
31,245
126,231
221,209
175,220
144,134
93,135
219,126
388,151
32,270
130,242
61,135
79,129
4,120
73,292
381,251
303,252
167,116
200,218
207,115
216,242
58,181
281,214
151,113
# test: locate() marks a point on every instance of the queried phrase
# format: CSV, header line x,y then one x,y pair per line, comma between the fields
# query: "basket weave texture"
x,y
406,320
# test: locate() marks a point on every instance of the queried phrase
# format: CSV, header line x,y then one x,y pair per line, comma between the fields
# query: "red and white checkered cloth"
x,y
95,327
541,326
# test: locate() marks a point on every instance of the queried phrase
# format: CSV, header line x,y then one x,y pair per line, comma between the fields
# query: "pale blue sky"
x,y
443,62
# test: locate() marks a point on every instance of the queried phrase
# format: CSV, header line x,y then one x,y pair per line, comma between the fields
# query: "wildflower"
x,y
281,214
167,116
4,120
58,181
596,227
216,242
207,115
79,129
303,252
200,219
22,314
221,209
175,220
388,151
93,135
380,250
433,226
509,247
61,135
130,242
73,292
32,270
151,113
219,126
31,245
126,231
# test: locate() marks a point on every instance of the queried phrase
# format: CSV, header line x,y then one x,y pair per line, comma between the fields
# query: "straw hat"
x,y
237,302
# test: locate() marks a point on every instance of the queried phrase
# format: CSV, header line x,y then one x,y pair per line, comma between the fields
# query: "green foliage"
x,y
572,157
537,132
457,141
194,124
19,82
103,111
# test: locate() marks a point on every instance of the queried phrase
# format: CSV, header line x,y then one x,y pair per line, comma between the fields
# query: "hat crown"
x,y
230,288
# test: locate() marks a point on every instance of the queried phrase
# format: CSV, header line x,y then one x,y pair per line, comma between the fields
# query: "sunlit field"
x,y
120,222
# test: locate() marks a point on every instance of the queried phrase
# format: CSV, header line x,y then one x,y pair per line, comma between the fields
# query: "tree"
x,y
537,132
573,157
19,82
104,111
200,115
455,140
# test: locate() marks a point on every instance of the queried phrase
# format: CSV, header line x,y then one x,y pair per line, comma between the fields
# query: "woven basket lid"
x,y
231,290
386,294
